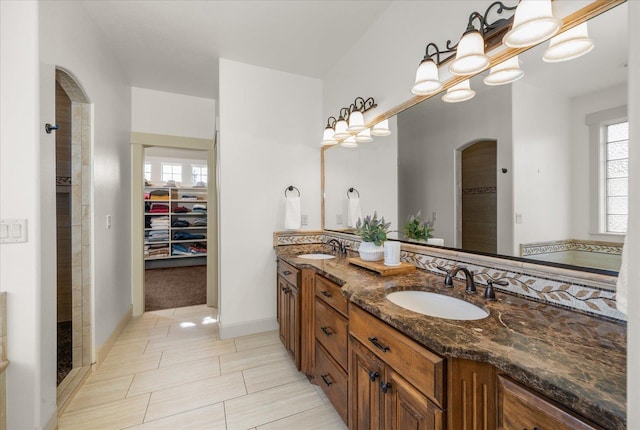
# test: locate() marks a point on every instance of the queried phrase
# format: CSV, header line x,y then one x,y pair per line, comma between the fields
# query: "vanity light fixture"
x,y
340,129
459,93
381,128
470,56
571,44
364,136
533,23
504,73
349,142
327,136
427,79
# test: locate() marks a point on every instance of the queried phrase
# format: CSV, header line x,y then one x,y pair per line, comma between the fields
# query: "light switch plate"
x,y
13,230
304,219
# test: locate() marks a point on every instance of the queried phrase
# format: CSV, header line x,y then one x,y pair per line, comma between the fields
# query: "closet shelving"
x,y
163,207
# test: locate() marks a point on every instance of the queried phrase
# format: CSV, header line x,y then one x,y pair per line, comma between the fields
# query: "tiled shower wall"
x,y
586,292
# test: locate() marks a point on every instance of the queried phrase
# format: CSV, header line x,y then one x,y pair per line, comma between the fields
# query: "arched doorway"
x,y
477,197
73,232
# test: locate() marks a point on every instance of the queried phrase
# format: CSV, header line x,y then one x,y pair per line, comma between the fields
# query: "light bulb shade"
x,y
341,129
470,57
459,93
364,136
533,23
327,137
381,128
356,122
505,72
349,142
571,44
427,80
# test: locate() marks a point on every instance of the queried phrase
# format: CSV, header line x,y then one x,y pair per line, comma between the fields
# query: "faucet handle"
x,y
448,279
489,293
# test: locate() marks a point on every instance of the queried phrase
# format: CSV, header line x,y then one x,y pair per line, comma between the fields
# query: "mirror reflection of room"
x,y
518,170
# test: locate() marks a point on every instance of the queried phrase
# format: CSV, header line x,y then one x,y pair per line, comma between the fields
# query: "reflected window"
x,y
616,176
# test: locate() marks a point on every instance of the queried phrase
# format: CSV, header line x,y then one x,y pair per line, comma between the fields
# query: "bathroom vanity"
x,y
526,365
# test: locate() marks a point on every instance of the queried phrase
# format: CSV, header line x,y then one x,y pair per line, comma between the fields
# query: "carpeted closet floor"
x,y
175,287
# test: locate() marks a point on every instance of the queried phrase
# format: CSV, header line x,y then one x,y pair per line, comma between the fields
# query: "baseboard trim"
x,y
105,348
247,328
52,424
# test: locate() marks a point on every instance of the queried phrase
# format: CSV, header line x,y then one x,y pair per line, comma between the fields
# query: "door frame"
x,y
140,141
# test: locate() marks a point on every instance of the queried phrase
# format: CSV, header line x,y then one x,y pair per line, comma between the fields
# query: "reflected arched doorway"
x,y
477,197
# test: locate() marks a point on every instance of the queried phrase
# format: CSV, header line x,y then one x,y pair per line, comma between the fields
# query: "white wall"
x,y
633,234
187,164
29,394
541,127
270,131
430,133
582,192
372,169
172,114
69,40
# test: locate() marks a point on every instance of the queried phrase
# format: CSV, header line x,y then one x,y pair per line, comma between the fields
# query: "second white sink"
x,y
317,256
437,305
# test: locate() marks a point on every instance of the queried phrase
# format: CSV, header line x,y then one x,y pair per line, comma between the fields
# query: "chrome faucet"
x,y
338,246
471,286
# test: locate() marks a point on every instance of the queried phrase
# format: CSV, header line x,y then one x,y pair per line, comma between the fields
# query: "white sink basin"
x,y
437,305
317,256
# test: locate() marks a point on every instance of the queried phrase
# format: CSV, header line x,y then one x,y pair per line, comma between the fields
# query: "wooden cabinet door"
x,y
406,408
293,324
365,374
519,408
283,310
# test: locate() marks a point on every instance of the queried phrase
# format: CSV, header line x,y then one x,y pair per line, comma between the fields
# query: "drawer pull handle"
x,y
373,375
325,380
324,293
326,331
286,273
385,386
374,341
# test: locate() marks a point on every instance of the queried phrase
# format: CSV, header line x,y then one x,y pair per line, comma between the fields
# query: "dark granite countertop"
x,y
573,358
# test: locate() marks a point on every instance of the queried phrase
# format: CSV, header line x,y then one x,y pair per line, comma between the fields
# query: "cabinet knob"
x,y
374,341
325,380
373,375
385,386
326,331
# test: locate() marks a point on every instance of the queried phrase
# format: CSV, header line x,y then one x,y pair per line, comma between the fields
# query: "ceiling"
x,y
175,45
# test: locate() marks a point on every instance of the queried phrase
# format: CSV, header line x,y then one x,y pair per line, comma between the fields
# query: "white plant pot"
x,y
369,251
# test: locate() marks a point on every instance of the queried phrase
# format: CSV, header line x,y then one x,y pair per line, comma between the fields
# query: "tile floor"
x,y
169,370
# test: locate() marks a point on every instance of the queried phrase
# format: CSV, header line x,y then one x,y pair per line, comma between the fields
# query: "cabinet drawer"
x,y
520,408
330,293
331,332
414,362
288,272
333,381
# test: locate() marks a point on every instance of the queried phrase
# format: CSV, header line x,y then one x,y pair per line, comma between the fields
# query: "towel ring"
x,y
291,188
352,190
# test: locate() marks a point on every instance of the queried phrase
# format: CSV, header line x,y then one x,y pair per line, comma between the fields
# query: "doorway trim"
x,y
140,141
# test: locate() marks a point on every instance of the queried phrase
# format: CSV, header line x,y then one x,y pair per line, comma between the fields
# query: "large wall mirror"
x,y
520,170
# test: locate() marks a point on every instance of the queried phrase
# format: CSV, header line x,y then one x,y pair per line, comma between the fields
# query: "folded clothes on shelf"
x,y
180,223
159,208
183,235
198,249
199,208
180,209
200,222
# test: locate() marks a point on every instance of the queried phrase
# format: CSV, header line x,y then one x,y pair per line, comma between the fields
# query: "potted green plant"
x,y
418,229
373,232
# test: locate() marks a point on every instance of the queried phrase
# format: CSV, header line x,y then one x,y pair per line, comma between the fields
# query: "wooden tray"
x,y
380,268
